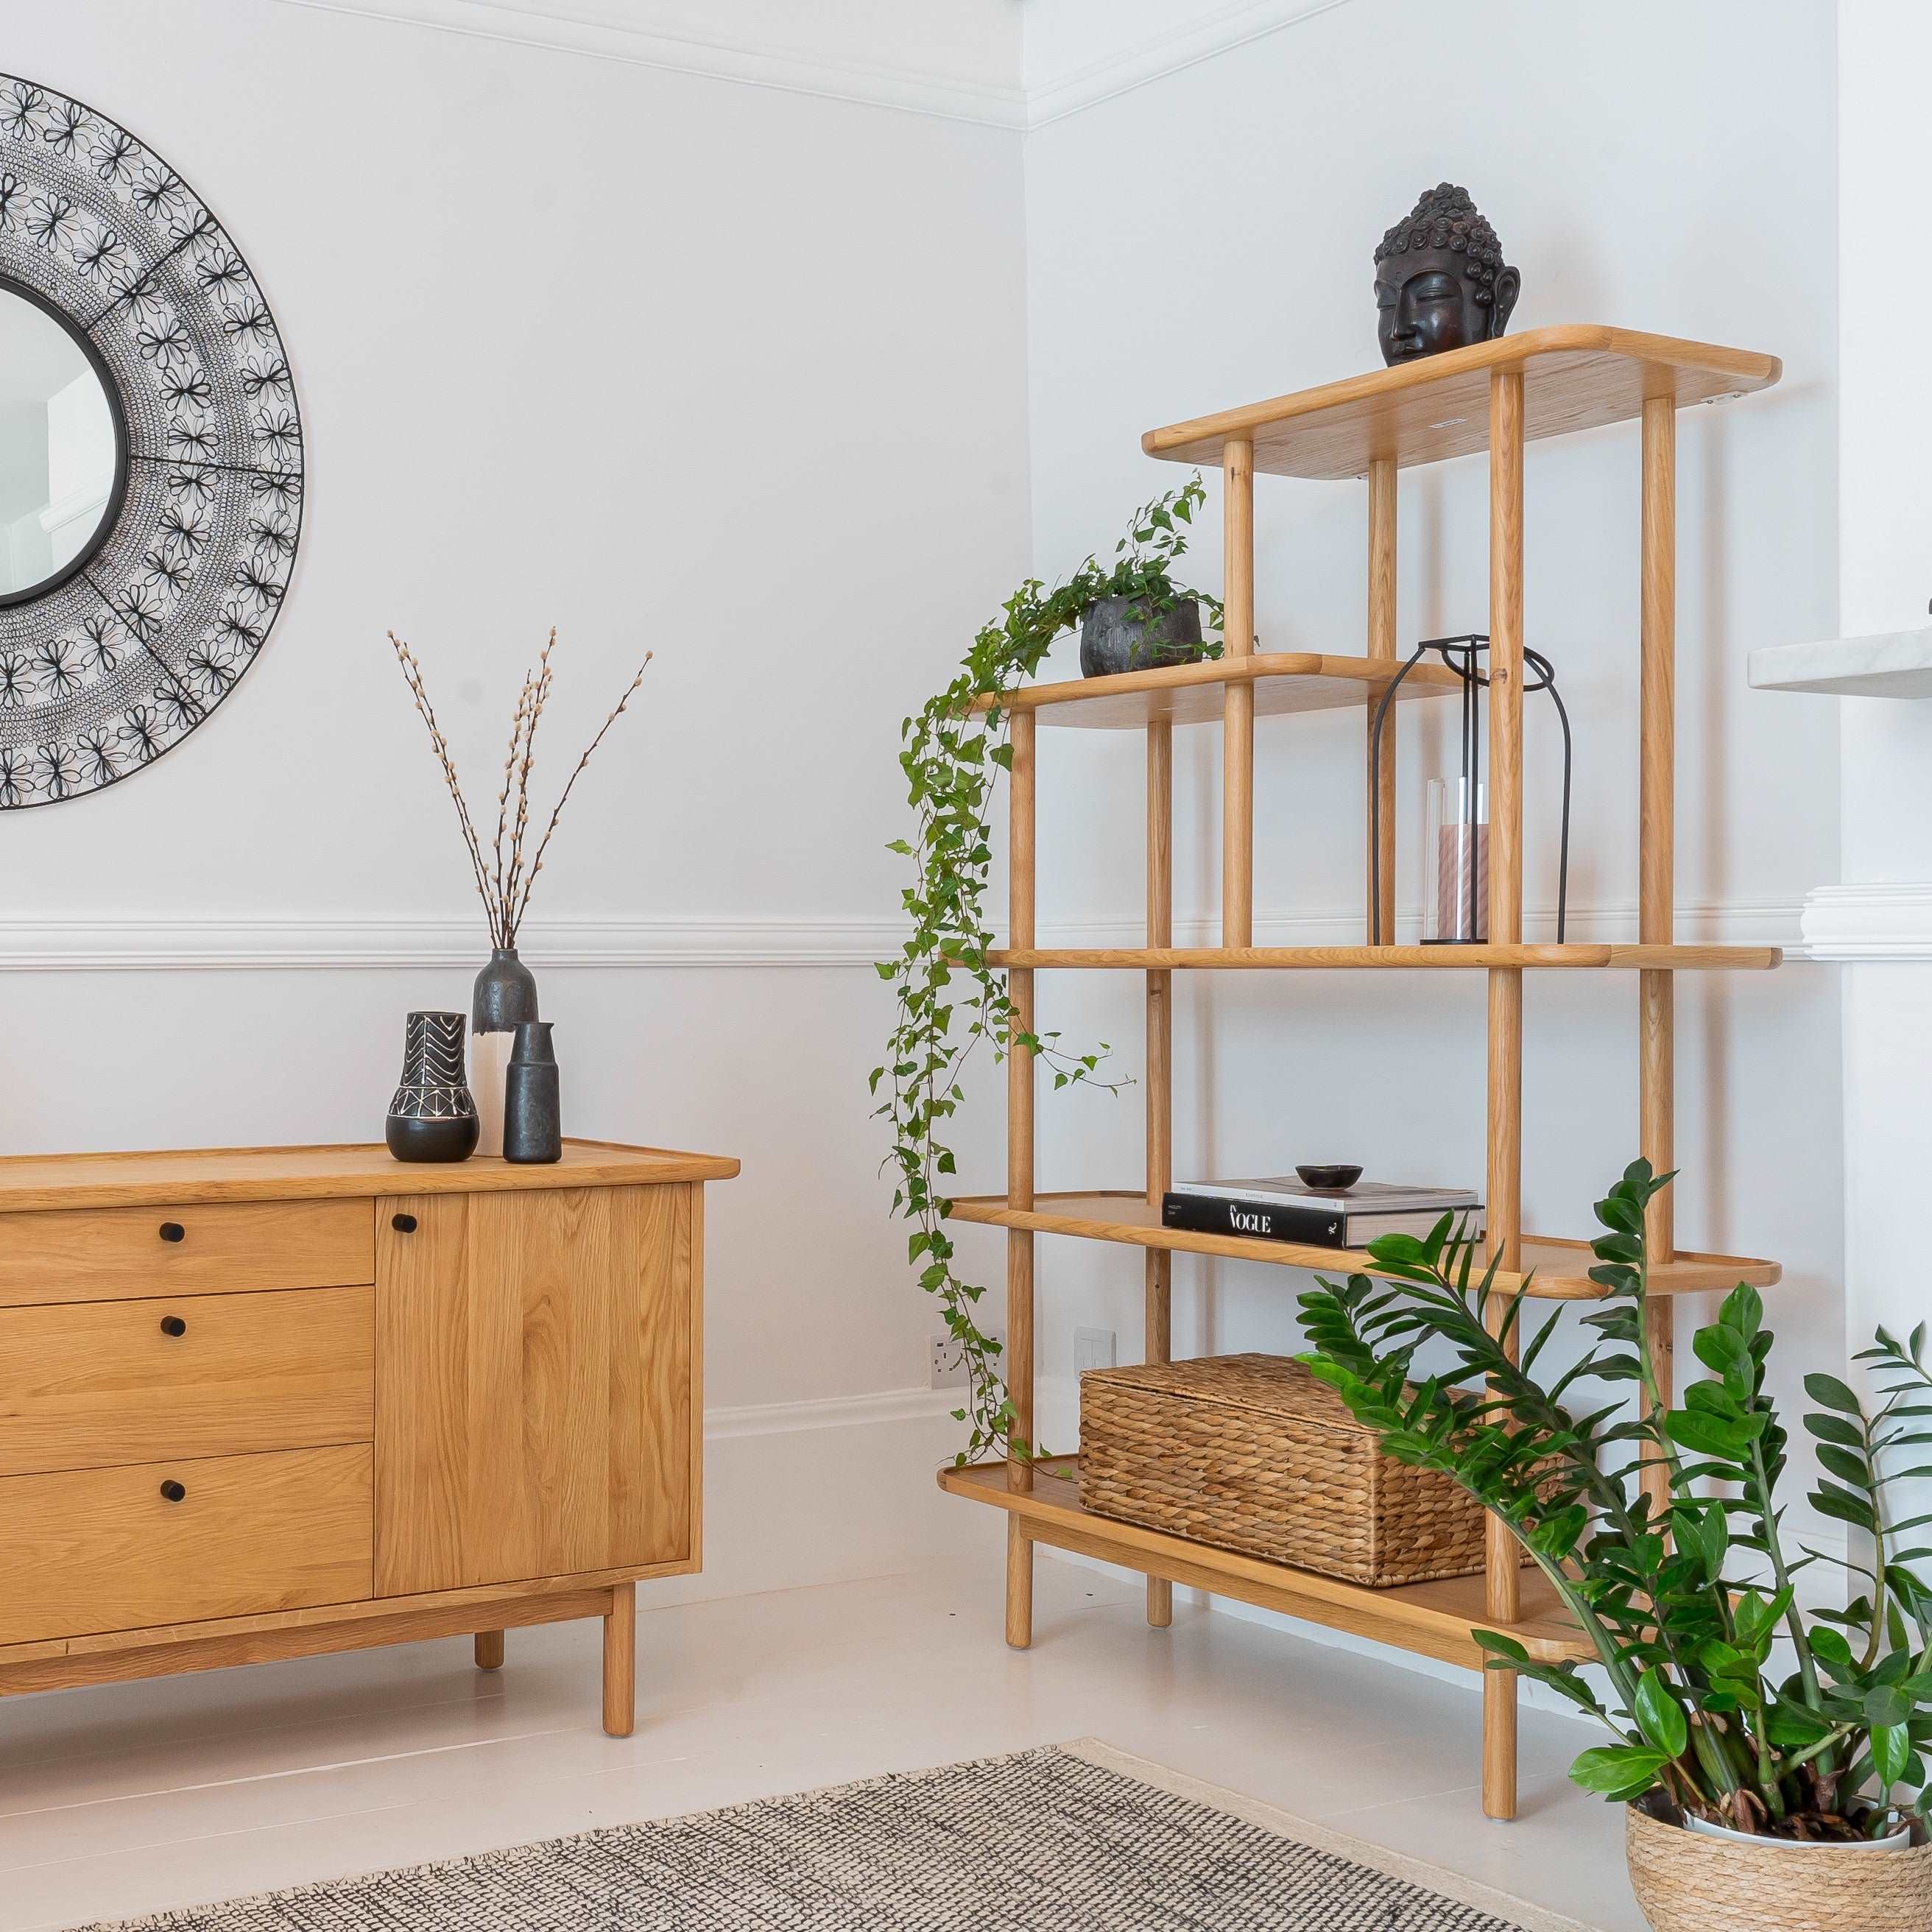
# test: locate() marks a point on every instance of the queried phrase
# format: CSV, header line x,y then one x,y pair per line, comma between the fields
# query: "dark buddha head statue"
x,y
1440,280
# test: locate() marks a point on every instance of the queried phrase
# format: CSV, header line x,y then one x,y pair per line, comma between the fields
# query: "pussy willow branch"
x,y
412,674
538,685
570,784
502,883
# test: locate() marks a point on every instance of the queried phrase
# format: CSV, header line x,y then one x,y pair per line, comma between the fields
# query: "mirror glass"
x,y
57,449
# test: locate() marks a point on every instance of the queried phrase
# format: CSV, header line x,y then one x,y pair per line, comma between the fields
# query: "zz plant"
x,y
1724,1697
947,998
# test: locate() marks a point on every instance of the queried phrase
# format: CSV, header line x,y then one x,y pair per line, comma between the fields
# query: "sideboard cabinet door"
x,y
534,1363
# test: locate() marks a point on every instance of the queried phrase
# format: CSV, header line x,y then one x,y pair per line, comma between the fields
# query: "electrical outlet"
x,y
945,1368
1093,1348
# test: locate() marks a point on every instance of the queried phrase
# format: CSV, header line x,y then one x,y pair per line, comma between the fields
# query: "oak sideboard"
x,y
263,1402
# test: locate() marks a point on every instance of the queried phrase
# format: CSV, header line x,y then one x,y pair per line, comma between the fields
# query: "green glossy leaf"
x,y
1832,1393
1615,1768
1659,1715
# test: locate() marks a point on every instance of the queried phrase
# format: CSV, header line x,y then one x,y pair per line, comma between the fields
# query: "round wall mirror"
x,y
151,455
63,447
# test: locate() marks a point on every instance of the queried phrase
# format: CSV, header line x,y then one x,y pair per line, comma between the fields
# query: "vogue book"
x,y
1285,1209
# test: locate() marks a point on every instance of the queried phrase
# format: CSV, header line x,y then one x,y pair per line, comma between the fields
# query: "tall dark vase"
x,y
505,998
533,1122
433,1115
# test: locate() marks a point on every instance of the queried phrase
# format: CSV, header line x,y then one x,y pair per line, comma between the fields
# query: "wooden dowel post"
x,y
1160,1264
1503,1572
1238,715
1019,1357
620,1661
1657,862
489,1650
1382,647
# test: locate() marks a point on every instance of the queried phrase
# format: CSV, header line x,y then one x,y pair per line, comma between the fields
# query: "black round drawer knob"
x,y
172,1325
173,1490
404,1224
173,1230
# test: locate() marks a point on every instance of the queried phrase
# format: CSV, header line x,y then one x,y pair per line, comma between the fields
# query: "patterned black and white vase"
x,y
433,1116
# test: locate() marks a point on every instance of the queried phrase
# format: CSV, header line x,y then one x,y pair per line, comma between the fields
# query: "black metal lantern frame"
x,y
1462,655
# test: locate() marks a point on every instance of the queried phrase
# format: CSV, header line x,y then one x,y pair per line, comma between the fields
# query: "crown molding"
x,y
719,55
1869,924
54,943
1184,45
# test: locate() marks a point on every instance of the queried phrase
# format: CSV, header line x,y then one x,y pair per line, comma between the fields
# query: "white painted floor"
x,y
137,1798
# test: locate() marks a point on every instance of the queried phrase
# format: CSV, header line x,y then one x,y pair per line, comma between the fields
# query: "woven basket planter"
x,y
1687,1883
1251,1453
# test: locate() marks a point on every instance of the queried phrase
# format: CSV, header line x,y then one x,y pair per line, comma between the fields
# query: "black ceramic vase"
x,y
1118,634
505,995
533,1127
433,1116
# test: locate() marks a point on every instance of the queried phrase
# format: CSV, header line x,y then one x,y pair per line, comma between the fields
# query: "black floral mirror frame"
x,y
122,655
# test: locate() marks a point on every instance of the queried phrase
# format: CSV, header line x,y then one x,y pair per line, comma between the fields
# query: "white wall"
x,y
1206,240
1881,916
735,372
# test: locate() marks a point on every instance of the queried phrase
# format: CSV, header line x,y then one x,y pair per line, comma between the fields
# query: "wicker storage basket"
x,y
1251,1453
1684,1882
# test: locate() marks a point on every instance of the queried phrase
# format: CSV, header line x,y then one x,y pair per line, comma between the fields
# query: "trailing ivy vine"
x,y
949,1000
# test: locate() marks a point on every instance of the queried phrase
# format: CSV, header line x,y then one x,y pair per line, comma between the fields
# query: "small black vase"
x,y
433,1116
1119,634
533,1127
505,995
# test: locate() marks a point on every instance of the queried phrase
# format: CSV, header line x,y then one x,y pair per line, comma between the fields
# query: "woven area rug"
x,y
1073,1838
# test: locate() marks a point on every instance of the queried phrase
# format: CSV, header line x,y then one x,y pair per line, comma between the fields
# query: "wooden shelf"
x,y
1560,1269
1434,1618
1331,959
1575,376
1191,694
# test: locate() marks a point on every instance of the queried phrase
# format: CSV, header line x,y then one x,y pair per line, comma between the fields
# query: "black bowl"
x,y
1335,1180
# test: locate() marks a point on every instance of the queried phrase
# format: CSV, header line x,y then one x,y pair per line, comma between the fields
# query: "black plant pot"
x,y
533,1123
1118,634
433,1115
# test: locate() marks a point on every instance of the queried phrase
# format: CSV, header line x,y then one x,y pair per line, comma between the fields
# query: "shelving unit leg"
x,y
1159,1316
1238,715
1657,861
1503,1572
1020,1175
1382,646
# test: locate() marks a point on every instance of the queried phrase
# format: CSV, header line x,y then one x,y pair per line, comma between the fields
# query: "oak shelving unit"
x,y
1494,397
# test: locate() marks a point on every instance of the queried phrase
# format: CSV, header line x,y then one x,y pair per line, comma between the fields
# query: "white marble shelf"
x,y
1898,665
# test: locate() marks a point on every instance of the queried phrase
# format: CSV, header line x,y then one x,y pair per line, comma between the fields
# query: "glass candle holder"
x,y
1455,849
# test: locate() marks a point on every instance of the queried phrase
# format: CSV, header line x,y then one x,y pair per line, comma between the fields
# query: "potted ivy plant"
x,y
1772,1759
947,999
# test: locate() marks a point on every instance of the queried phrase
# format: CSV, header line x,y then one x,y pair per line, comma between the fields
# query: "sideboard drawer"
x,y
107,1550
99,1254
86,1384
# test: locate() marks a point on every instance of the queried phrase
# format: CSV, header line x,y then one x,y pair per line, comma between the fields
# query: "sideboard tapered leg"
x,y
489,1650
